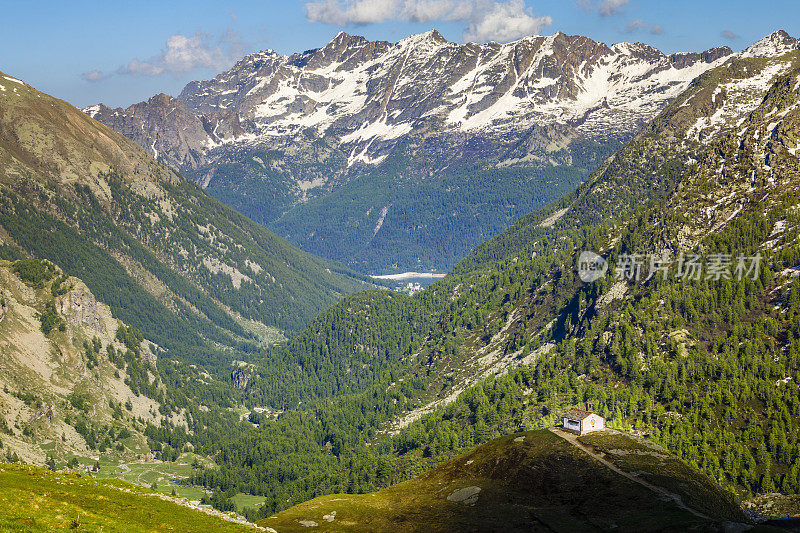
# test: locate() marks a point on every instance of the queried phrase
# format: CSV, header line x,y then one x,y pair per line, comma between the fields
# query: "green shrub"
x,y
51,319
34,272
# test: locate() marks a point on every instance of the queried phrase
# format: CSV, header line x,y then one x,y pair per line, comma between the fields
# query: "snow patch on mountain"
x,y
91,110
363,97
361,90
381,218
381,130
739,97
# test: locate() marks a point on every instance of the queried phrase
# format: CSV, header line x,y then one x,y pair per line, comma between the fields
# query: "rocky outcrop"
x,y
242,374
163,126
80,309
47,376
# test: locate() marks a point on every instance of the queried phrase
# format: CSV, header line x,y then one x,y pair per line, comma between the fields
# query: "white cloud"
x,y
182,54
503,21
731,36
506,22
605,8
94,76
344,12
611,7
186,53
635,25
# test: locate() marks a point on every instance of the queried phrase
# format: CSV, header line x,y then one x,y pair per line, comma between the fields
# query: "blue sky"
x,y
120,53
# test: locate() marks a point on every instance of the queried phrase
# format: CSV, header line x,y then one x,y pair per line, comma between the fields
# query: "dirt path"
x,y
573,439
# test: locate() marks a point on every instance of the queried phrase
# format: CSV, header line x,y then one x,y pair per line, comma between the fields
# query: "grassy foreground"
x,y
659,467
34,500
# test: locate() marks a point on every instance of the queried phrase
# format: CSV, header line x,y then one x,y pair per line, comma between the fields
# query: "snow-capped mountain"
x,y
370,94
275,131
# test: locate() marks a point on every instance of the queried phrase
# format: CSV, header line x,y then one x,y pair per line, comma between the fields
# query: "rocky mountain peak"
x,y
368,95
163,100
776,43
429,38
371,94
343,40
683,59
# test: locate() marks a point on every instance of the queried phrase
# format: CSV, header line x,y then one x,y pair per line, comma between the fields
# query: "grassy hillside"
x,y
533,481
33,500
194,276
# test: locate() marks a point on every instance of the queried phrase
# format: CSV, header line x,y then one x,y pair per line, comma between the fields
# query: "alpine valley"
x,y
705,367
230,381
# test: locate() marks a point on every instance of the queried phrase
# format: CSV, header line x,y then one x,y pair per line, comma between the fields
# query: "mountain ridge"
x,y
203,97
346,51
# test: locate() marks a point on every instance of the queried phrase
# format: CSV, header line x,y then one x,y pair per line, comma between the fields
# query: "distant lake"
x,y
423,278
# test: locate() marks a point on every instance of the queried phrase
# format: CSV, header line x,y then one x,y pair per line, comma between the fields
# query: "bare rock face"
x,y
163,126
80,309
149,355
774,44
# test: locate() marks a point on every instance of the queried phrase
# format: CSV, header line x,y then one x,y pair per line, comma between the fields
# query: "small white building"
x,y
582,422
